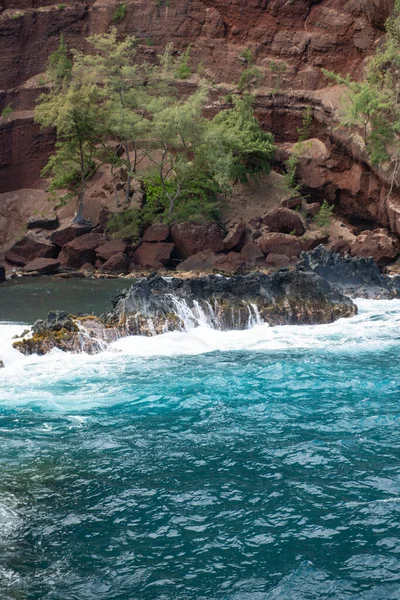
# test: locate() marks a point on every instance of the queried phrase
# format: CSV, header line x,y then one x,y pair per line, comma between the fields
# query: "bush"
x,y
119,14
324,217
249,78
7,110
183,70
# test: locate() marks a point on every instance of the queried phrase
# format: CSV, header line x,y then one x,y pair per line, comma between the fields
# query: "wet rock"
x,y
378,244
50,222
107,250
117,263
232,239
280,243
153,255
81,250
284,220
66,234
191,238
358,277
158,232
44,266
29,247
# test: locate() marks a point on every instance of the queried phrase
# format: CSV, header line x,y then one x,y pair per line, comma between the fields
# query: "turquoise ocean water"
x,y
253,465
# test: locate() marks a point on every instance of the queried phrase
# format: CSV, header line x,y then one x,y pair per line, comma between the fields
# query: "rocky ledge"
x,y
156,305
356,277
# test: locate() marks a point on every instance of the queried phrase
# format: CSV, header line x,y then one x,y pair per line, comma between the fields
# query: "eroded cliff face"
x,y
299,35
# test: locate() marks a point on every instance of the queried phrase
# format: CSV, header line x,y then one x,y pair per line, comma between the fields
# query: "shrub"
x,y
183,70
7,110
249,78
119,14
324,217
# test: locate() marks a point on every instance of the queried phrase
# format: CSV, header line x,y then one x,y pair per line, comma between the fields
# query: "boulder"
x,y
44,266
192,238
16,259
232,239
201,262
31,246
66,234
81,250
107,250
293,202
312,239
158,232
2,273
377,244
153,255
233,263
49,222
313,208
277,261
117,263
339,246
251,253
285,220
87,269
280,243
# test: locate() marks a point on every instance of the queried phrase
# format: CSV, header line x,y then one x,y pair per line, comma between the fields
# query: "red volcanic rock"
x,y
117,263
284,220
16,259
338,246
50,222
378,244
202,261
234,236
280,243
192,238
233,262
81,250
294,202
313,208
159,232
251,253
45,266
107,250
66,234
31,246
152,255
278,261
312,239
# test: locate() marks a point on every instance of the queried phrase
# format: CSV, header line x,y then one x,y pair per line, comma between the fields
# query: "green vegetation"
x,y
307,118
324,217
7,110
109,108
373,105
16,15
61,6
119,14
183,70
249,78
278,69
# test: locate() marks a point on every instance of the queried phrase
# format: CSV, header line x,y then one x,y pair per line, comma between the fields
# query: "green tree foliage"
x,y
80,120
108,97
59,66
373,104
121,86
183,70
324,217
119,14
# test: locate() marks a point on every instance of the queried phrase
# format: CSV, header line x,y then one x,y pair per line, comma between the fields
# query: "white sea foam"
x,y
375,327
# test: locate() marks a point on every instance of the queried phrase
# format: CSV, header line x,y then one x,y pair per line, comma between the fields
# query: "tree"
x,y
73,109
59,66
373,104
121,85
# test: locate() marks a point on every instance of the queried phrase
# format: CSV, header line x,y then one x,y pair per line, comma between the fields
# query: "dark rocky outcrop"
x,y
2,273
50,222
155,305
358,277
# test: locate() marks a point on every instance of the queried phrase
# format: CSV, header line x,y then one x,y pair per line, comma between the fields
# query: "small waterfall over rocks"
x,y
156,305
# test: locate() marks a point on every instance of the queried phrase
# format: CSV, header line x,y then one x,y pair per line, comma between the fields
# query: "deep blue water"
x,y
256,465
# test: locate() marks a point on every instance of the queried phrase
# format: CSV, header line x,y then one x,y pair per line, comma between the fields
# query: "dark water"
x,y
266,472
27,299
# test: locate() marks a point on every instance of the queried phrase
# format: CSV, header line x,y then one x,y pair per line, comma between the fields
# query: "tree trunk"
x,y
79,218
129,179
